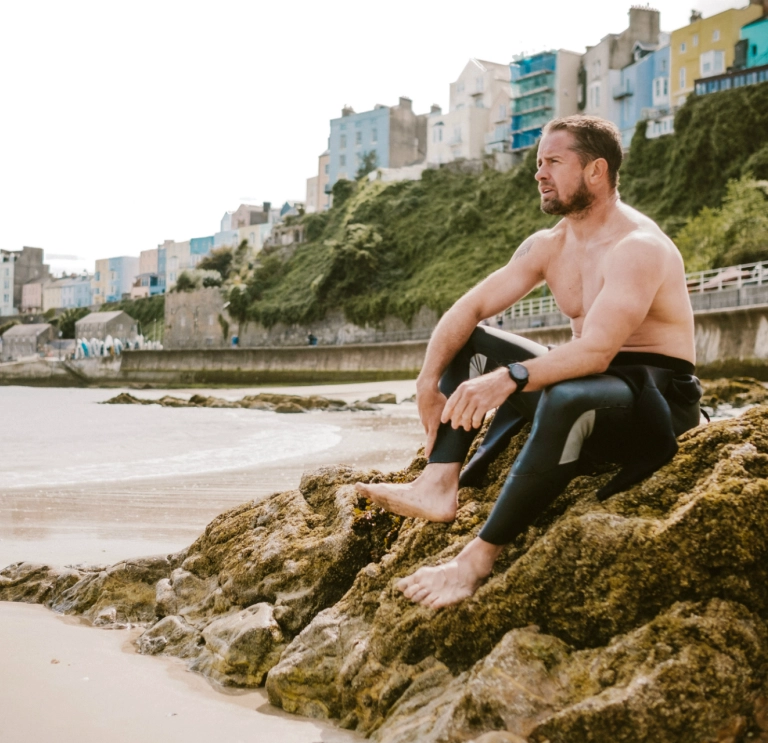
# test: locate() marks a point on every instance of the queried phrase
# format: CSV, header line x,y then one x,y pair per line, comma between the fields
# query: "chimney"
x,y
695,16
405,103
347,111
267,206
435,109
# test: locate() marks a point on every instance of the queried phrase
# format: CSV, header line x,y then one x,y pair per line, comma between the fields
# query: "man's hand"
x,y
472,399
431,403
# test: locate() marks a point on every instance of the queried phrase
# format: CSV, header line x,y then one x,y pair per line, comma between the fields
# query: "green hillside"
x,y
389,249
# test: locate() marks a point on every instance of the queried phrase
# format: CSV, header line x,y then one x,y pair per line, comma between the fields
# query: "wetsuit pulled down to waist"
x,y
620,416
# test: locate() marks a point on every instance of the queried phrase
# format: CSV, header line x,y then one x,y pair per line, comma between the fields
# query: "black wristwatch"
x,y
519,375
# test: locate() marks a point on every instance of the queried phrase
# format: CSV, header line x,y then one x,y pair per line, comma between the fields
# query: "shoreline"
x,y
99,688
129,696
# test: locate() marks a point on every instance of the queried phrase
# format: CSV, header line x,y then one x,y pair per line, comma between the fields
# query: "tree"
x,y
368,163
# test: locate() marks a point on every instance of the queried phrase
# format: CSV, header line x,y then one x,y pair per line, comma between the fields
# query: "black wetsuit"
x,y
629,415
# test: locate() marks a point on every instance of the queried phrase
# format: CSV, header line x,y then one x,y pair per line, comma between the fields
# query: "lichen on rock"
x,y
641,618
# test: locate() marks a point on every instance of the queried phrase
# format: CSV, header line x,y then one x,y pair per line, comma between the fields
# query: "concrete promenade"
x,y
730,341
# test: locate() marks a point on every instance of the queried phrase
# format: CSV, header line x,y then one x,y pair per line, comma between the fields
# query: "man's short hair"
x,y
594,137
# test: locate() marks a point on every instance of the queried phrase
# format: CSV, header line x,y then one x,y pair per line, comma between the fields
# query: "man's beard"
x,y
579,202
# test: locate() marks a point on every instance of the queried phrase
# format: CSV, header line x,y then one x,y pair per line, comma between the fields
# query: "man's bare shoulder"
x,y
541,243
642,228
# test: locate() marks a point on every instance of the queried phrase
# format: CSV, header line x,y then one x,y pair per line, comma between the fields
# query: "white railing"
x,y
698,282
730,277
528,307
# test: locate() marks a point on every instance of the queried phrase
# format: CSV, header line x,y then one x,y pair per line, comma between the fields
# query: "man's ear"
x,y
597,170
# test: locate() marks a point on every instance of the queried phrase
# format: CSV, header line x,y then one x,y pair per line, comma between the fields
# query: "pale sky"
x,y
123,124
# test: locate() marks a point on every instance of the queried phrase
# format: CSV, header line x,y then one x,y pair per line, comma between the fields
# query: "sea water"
x,y
57,437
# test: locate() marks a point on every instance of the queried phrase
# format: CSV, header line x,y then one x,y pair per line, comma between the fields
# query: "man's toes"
x,y
403,583
419,595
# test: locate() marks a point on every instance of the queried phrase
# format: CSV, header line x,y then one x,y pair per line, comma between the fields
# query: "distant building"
x,y
67,293
755,38
32,296
253,224
114,278
642,91
706,47
227,236
7,261
199,248
544,87
28,266
324,180
392,136
461,132
600,73
312,197
101,324
25,340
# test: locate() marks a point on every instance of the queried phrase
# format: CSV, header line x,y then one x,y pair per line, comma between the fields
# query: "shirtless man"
x,y
621,281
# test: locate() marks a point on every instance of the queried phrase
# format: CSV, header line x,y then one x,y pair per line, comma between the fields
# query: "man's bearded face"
x,y
577,203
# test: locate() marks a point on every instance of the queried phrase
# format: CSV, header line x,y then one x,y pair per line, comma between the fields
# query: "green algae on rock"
x,y
642,618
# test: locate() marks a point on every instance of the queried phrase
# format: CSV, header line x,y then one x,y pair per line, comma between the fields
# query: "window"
x,y
663,65
457,134
682,77
460,86
682,48
6,299
437,133
479,103
502,111
342,160
594,95
343,141
327,168
479,85
666,86
358,138
712,63
374,135
695,39
716,35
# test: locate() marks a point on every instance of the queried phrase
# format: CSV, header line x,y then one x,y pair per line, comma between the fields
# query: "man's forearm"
x,y
450,335
579,358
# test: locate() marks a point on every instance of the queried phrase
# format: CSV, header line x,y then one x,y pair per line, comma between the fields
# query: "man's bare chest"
x,y
575,281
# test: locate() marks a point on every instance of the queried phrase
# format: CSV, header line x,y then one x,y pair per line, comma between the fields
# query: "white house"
x,y
476,100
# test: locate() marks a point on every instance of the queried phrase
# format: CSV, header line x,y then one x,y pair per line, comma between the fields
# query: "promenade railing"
x,y
714,289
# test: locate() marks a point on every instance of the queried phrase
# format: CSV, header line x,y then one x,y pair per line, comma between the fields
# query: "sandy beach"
x,y
128,697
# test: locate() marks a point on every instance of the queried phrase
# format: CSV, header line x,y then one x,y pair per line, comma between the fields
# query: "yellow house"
x,y
705,47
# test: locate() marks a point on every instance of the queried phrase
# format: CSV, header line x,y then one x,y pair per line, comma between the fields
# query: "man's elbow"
x,y
601,360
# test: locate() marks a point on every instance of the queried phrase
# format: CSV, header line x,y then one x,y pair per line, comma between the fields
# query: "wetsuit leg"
x,y
486,350
567,415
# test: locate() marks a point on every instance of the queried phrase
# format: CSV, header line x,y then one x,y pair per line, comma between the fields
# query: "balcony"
x,y
624,90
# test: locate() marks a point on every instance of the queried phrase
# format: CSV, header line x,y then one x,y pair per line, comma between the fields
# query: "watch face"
x,y
518,372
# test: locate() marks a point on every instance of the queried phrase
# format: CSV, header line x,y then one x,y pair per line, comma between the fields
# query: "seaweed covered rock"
x,y
585,574
641,618
720,395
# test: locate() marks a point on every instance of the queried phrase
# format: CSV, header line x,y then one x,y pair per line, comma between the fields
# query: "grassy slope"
x,y
424,243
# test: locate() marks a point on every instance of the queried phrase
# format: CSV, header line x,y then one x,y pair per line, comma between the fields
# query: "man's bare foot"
x,y
455,581
433,495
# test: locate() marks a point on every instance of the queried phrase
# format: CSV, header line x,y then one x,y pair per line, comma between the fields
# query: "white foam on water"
x,y
51,437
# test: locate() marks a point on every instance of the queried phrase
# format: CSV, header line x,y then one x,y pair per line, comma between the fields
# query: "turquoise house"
x,y
756,36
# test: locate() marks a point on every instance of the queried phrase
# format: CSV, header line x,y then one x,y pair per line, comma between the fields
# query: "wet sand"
x,y
100,689
63,681
108,521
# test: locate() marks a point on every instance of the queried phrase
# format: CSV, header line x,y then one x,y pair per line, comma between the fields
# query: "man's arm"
x,y
633,273
492,295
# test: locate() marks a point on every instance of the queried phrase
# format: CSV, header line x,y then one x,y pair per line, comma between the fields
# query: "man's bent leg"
x,y
567,415
433,495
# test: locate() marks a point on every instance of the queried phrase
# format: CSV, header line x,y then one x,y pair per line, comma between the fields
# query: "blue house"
x,y
643,89
355,135
394,135
201,246
544,87
756,36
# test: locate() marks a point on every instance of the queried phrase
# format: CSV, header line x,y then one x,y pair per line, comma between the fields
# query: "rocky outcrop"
x,y
263,401
722,395
641,618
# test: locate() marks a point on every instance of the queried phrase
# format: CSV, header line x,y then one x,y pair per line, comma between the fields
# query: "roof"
x,y
33,329
103,317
